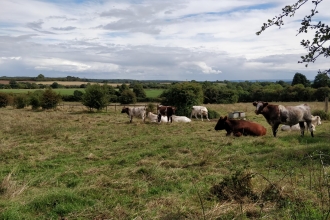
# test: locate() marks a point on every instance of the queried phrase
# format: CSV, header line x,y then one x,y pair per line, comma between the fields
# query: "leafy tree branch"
x,y
318,45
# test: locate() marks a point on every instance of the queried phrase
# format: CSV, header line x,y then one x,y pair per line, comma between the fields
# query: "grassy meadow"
x,y
69,163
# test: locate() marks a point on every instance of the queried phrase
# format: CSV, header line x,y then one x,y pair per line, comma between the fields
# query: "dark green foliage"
x,y
5,99
321,93
127,97
35,99
323,115
122,88
50,99
300,79
55,85
183,96
151,107
139,91
213,114
95,96
78,95
321,80
20,101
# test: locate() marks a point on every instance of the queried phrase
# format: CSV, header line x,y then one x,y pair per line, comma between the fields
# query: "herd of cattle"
x,y
292,117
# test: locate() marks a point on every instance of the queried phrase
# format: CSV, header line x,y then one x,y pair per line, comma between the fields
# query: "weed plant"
x,y
69,163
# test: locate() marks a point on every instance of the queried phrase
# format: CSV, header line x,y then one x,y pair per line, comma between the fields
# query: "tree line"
x,y
183,95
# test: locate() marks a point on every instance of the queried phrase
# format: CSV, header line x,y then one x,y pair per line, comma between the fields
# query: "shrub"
x,y
20,101
35,99
5,99
323,115
213,114
151,107
50,99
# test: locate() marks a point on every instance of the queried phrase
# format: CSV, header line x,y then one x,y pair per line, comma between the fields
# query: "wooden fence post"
x,y
326,101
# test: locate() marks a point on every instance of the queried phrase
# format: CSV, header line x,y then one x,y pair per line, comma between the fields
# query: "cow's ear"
x,y
255,103
225,118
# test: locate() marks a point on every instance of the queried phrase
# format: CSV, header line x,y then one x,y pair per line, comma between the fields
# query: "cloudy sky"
x,y
203,40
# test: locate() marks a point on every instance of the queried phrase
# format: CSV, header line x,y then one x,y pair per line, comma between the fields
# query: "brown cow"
x,y
240,127
165,111
288,115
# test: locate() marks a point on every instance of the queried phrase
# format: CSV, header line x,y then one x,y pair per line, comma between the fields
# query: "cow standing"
x,y
288,115
240,127
165,111
199,110
135,111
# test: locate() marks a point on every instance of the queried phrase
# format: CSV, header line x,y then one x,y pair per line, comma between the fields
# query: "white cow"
x,y
316,120
295,127
199,110
180,119
154,118
135,112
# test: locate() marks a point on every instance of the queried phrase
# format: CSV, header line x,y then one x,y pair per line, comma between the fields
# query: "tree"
x,y
139,91
55,85
123,87
127,97
300,79
40,77
317,46
321,80
95,96
183,96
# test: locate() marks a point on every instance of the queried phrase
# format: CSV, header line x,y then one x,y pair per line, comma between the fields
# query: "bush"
x,y
5,100
35,99
127,97
323,115
20,101
151,107
50,99
95,96
213,114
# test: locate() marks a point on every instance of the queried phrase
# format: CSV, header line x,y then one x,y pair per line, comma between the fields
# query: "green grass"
x,y
73,164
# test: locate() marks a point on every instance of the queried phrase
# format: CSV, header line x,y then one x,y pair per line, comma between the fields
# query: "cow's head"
x,y
221,123
259,107
124,110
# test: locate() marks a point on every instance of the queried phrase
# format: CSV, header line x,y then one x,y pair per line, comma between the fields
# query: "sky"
x,y
202,40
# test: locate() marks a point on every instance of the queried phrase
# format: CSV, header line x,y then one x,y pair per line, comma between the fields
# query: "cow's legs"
x,y
131,119
302,128
309,126
207,117
275,128
159,117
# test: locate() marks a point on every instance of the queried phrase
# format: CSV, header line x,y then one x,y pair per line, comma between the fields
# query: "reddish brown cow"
x,y
288,115
240,127
165,111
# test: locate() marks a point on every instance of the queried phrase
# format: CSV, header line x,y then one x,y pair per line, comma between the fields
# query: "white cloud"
x,y
160,39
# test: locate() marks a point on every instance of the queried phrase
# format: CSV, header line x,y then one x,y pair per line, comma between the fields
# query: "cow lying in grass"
x,y
176,118
154,118
295,127
240,127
